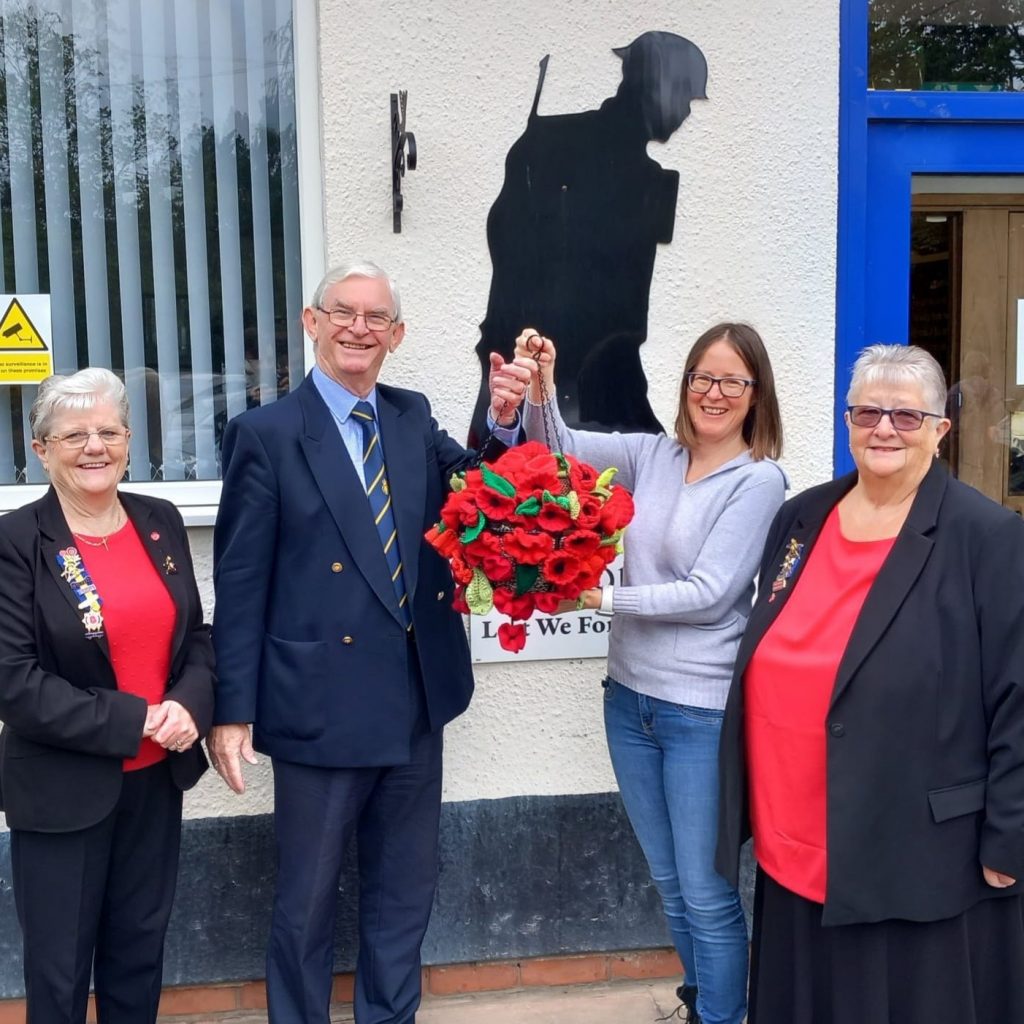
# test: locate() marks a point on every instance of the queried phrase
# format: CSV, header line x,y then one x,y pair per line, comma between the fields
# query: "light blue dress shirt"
x,y
341,402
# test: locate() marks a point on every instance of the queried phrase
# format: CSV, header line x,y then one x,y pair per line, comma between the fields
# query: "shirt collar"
x,y
339,399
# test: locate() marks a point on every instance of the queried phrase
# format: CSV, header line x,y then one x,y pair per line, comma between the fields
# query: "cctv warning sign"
x,y
26,356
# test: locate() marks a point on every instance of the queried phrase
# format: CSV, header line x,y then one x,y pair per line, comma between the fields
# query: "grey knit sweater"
x,y
691,553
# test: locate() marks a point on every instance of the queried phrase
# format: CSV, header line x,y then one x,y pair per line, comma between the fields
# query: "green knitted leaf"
x,y
471,533
497,482
613,539
560,499
605,478
530,507
526,576
574,504
457,482
479,593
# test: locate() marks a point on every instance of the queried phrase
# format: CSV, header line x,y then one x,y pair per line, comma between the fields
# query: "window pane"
x,y
935,267
148,182
964,45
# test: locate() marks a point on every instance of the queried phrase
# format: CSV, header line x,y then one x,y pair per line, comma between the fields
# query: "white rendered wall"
x,y
754,240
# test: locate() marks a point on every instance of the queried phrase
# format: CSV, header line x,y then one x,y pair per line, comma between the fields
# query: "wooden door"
x,y
985,359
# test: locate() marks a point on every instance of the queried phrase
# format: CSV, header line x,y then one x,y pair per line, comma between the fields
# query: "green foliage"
x,y
919,44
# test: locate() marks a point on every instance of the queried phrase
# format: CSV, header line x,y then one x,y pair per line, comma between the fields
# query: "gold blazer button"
x,y
336,567
347,640
440,595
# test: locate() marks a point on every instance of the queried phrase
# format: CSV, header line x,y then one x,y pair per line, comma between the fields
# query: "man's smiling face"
x,y
352,356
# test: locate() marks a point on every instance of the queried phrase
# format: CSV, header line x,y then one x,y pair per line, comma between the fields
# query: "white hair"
x,y
75,392
363,268
897,366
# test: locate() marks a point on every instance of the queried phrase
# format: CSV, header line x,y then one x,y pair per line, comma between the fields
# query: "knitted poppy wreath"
x,y
530,530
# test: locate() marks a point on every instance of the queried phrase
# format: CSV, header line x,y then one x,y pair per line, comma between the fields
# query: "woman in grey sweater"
x,y
704,501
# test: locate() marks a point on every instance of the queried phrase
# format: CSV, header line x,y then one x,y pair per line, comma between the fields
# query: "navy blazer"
x,y
66,725
925,729
310,642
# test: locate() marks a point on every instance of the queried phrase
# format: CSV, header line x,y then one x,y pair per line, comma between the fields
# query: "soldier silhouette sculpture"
x,y
574,232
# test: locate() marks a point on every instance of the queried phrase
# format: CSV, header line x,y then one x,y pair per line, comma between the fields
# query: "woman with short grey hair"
x,y
106,686
873,740
900,365
80,391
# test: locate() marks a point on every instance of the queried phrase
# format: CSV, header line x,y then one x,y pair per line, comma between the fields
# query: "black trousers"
x,y
98,900
394,814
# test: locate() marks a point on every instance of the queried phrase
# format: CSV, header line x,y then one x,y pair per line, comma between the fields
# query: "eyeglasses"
x,y
731,387
342,317
80,438
901,419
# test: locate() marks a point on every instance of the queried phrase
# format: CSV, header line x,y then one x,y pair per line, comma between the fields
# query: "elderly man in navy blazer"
x,y
336,640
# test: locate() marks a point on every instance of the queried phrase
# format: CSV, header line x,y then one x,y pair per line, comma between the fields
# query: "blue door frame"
x,y
884,139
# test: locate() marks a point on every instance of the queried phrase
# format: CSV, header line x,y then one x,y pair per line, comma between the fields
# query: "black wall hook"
x,y
403,154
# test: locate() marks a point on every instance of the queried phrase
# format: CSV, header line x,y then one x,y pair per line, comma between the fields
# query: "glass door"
x,y
966,286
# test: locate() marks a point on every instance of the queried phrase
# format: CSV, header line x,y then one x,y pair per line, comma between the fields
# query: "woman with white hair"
x,y
106,686
874,735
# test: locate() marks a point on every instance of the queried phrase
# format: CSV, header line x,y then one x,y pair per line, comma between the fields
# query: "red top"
x,y
787,690
138,620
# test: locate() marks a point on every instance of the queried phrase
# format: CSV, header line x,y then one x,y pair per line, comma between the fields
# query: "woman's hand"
x,y
155,715
177,730
589,599
997,879
541,353
508,383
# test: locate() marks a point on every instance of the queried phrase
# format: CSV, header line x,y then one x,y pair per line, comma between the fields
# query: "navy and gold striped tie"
x,y
379,494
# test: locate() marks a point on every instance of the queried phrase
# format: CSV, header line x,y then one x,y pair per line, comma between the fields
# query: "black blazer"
x,y
66,725
310,641
925,729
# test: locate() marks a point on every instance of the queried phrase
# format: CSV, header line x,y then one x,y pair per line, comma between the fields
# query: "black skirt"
x,y
965,970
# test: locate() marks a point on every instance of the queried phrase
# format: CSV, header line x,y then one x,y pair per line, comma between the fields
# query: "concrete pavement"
x,y
619,1002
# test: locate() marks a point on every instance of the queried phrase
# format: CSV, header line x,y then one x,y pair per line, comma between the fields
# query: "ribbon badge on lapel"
x,y
75,574
789,564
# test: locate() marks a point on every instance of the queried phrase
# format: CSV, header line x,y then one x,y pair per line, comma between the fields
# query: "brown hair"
x,y
762,428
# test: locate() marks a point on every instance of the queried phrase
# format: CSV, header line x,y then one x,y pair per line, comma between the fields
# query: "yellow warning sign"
x,y
25,357
17,332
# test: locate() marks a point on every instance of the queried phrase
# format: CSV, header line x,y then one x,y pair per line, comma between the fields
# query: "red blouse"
x,y
138,620
787,690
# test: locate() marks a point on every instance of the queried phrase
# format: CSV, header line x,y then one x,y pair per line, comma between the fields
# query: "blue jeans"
x,y
665,758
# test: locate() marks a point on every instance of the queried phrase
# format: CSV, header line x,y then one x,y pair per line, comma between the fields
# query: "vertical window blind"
x,y
149,185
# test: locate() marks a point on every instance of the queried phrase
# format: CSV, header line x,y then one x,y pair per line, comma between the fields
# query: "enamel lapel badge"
x,y
789,563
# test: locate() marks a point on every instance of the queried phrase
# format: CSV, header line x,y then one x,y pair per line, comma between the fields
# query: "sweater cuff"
x,y
607,601
627,599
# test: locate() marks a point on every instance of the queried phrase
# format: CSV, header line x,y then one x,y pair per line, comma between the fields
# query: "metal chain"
x,y
551,431
547,410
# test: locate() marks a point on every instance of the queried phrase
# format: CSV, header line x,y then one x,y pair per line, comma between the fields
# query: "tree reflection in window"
x,y
969,45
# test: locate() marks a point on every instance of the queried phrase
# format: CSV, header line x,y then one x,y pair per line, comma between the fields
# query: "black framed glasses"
x,y
342,316
109,437
901,419
731,387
